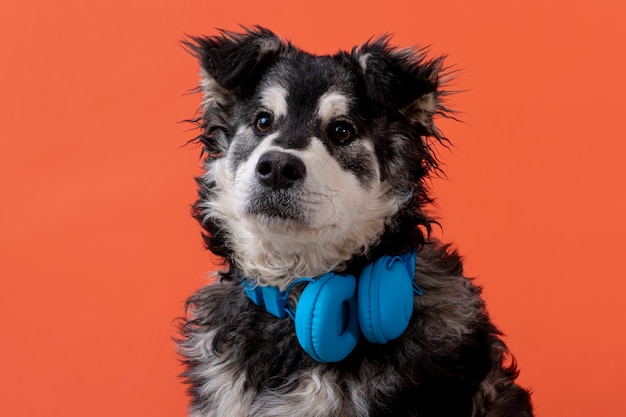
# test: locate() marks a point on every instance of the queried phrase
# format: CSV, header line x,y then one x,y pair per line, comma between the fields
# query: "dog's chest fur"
x,y
245,362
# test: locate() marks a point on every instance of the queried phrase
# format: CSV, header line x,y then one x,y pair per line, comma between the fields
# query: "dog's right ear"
x,y
230,62
231,65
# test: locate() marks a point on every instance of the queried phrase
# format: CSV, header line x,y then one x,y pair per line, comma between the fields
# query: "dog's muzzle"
x,y
277,190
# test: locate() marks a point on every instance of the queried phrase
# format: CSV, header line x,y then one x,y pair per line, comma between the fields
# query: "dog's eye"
x,y
263,123
341,132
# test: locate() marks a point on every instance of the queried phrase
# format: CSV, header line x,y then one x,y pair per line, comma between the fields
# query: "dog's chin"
x,y
278,212
280,245
278,236
275,205
275,217
283,223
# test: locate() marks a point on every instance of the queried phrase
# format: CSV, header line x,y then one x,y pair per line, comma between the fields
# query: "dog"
x,y
334,300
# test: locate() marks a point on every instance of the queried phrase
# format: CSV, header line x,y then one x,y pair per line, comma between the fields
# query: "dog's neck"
x,y
276,301
335,310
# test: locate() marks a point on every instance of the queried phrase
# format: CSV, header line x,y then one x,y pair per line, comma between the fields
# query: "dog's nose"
x,y
279,169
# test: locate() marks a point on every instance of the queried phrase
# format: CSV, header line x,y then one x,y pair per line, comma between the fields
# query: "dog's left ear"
x,y
402,80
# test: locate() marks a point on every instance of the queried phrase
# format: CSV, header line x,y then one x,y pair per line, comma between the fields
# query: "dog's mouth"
x,y
276,207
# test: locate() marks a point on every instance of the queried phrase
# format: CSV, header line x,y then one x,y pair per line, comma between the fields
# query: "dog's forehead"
x,y
315,85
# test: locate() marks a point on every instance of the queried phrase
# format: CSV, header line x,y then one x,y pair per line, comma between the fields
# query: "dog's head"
x,y
313,160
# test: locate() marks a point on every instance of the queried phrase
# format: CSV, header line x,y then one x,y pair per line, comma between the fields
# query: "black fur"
x,y
451,361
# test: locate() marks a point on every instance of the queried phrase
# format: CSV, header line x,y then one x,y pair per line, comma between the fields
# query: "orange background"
x,y
98,250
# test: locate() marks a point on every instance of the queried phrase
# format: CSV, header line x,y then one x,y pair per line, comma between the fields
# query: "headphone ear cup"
x,y
385,297
326,320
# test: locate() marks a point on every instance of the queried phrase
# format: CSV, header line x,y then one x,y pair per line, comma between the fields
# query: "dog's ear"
x,y
231,65
231,61
402,80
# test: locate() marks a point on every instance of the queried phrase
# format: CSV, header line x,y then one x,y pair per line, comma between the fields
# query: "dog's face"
x,y
310,158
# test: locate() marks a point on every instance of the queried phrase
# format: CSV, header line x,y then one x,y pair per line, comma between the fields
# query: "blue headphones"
x,y
334,310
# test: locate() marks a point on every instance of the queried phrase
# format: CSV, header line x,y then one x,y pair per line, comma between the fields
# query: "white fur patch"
x,y
268,45
213,92
317,395
342,217
332,105
309,393
363,61
274,98
223,385
422,110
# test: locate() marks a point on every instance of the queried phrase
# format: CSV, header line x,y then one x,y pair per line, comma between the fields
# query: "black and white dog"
x,y
335,300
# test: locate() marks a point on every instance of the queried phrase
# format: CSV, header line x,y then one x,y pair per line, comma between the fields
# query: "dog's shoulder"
x,y
450,310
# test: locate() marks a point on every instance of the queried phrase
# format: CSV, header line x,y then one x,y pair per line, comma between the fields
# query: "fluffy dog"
x,y
316,167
